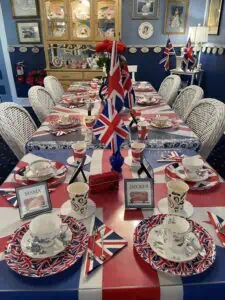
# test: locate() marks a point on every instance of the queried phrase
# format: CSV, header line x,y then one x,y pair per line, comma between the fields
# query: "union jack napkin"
x,y
113,243
215,221
9,196
170,157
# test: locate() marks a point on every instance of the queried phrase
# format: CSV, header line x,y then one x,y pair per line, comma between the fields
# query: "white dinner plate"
x,y
186,252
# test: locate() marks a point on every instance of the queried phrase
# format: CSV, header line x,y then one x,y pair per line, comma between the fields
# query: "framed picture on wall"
x,y
28,32
25,8
176,16
214,16
146,9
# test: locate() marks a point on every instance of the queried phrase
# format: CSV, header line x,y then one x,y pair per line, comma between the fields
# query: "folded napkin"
x,y
174,156
63,132
113,243
215,221
9,196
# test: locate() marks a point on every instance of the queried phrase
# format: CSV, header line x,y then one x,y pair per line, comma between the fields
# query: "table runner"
x,y
126,276
183,137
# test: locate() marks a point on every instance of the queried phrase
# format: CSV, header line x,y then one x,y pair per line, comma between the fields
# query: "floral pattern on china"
x,y
41,169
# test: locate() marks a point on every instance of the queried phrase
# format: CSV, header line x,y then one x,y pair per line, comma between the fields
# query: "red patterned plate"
x,y
211,181
27,266
51,181
193,267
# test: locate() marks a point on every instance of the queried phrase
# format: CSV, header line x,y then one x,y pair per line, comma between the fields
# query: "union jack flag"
x,y
129,96
217,221
115,86
168,52
110,128
113,243
188,59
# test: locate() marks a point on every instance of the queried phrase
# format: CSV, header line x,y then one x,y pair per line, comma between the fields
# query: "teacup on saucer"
x,y
193,167
161,121
44,229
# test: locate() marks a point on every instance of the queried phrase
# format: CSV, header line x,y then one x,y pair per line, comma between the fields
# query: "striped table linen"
x,y
125,276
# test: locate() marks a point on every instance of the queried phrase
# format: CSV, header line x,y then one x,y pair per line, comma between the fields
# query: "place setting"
x,y
135,154
54,173
174,245
149,100
195,172
143,87
163,122
64,124
45,246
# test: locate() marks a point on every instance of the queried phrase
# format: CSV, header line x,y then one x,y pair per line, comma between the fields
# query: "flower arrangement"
x,y
36,77
105,48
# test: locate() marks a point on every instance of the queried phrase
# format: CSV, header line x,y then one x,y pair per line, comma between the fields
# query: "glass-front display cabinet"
x,y
56,20
71,29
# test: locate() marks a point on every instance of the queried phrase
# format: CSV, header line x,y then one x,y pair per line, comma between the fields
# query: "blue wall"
x,y
5,94
130,27
31,61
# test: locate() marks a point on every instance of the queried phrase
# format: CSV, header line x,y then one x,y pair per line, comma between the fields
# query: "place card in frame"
x,y
33,200
139,193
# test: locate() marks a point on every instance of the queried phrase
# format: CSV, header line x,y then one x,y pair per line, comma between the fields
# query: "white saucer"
x,y
41,253
168,125
67,210
70,160
187,212
180,173
185,253
128,161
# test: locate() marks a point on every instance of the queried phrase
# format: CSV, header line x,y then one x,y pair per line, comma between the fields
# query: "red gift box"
x,y
102,182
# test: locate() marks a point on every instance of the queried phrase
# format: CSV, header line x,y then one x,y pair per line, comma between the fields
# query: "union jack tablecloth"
x,y
125,276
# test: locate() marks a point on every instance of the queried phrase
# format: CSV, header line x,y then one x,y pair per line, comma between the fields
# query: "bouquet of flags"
x,y
110,128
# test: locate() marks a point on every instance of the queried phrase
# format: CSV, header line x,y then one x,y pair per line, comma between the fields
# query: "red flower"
x,y
30,80
40,81
106,46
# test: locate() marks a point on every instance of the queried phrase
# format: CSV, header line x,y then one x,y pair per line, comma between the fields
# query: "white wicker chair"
x,y
54,87
41,102
16,127
207,120
169,88
187,99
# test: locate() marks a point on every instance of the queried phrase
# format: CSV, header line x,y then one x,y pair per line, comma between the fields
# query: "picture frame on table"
x,y
139,193
146,9
29,32
25,9
176,16
215,10
33,200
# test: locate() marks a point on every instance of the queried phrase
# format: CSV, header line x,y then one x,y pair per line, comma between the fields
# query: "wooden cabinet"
x,y
71,29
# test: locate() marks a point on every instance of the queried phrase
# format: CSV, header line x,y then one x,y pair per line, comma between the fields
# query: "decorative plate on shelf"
x,y
23,49
209,50
157,49
203,49
145,30
11,49
220,51
145,50
132,50
27,266
35,50
214,50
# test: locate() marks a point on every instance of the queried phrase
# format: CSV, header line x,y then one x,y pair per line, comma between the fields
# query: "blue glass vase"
x,y
116,161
